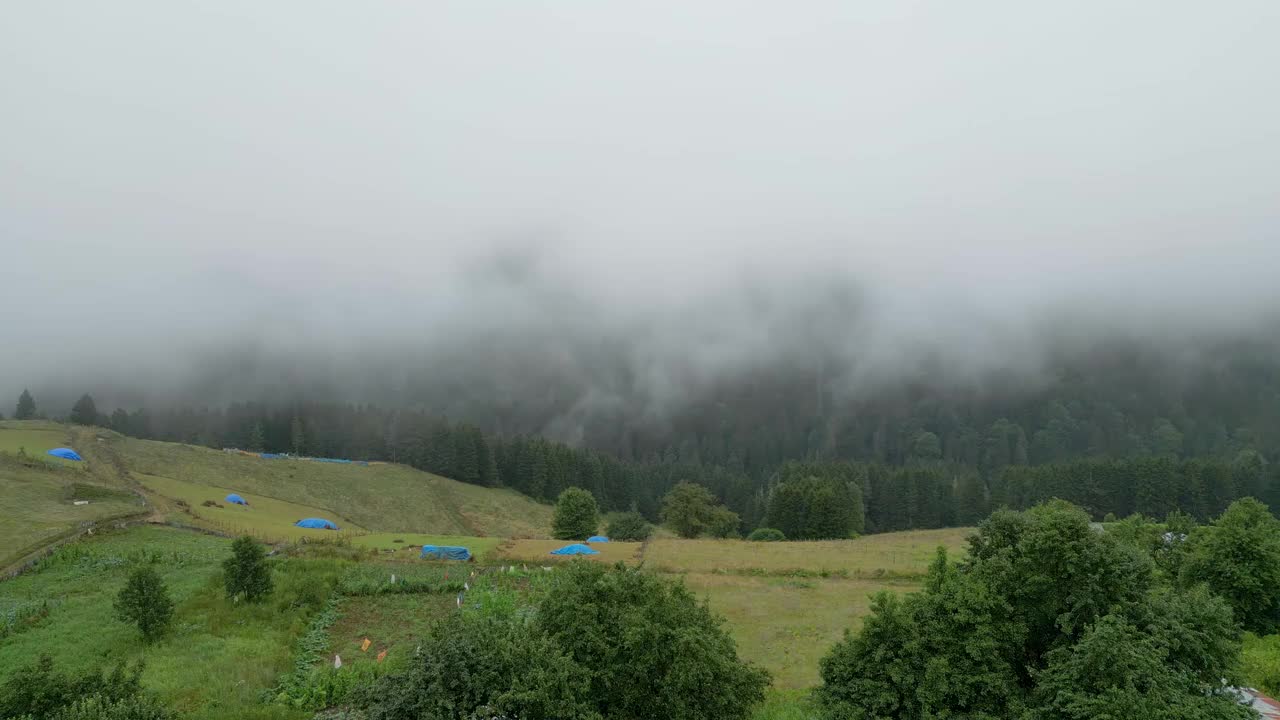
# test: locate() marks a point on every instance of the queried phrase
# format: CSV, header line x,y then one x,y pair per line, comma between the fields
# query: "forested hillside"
x,y
1116,432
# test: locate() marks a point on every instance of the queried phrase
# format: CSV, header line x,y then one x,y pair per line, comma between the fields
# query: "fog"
x,y
630,203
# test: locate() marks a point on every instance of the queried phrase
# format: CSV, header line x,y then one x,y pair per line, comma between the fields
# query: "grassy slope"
x,y
217,659
37,492
383,497
539,551
266,518
410,545
886,555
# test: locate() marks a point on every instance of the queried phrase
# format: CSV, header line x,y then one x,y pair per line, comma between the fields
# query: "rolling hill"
x,y
177,479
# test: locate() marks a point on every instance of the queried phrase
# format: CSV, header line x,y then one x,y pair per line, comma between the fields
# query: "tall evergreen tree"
x,y
297,437
26,409
84,412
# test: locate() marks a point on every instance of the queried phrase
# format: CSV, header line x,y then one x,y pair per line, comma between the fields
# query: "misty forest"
x,y
568,360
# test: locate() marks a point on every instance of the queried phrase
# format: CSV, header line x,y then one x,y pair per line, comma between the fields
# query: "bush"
x,y
766,535
577,516
690,509
246,572
479,666
628,526
144,601
649,645
38,691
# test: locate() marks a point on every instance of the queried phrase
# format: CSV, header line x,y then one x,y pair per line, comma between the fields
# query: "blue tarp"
x,y
575,549
234,498
65,453
445,552
597,538
316,524
272,456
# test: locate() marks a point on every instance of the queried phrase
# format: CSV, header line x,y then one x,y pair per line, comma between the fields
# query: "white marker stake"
x,y
337,661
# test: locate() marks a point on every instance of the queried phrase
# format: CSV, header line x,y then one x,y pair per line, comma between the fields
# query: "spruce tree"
x,y
256,440
246,572
26,406
84,412
297,437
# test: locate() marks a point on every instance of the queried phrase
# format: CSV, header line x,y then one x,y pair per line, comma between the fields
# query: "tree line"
x,y
802,498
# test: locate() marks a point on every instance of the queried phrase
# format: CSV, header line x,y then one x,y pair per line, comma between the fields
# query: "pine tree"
x,y
84,412
256,441
26,406
246,572
297,436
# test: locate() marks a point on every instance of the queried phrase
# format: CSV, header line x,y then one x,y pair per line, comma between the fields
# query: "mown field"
x,y
539,551
265,518
408,545
887,555
381,497
36,439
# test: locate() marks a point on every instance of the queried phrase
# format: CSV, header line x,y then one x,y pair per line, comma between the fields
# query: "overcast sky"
x,y
316,177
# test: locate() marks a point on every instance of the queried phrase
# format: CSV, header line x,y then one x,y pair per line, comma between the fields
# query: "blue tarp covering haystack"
x,y
597,538
66,454
445,552
575,549
235,499
316,524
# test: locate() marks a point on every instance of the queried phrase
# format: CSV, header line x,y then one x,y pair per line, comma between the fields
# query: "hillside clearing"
x,y
786,625
265,518
382,497
39,503
410,544
539,551
886,555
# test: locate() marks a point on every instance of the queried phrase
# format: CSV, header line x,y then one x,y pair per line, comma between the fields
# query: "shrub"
x,y
628,526
246,572
577,516
649,644
480,666
766,535
144,601
39,691
690,509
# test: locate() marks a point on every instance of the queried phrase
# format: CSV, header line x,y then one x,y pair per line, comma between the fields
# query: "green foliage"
x,y
84,412
723,522
946,652
577,516
482,666
246,573
810,508
765,534
1260,663
1117,670
649,644
300,687
690,509
367,579
1046,619
1238,557
144,601
26,406
40,691
628,527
